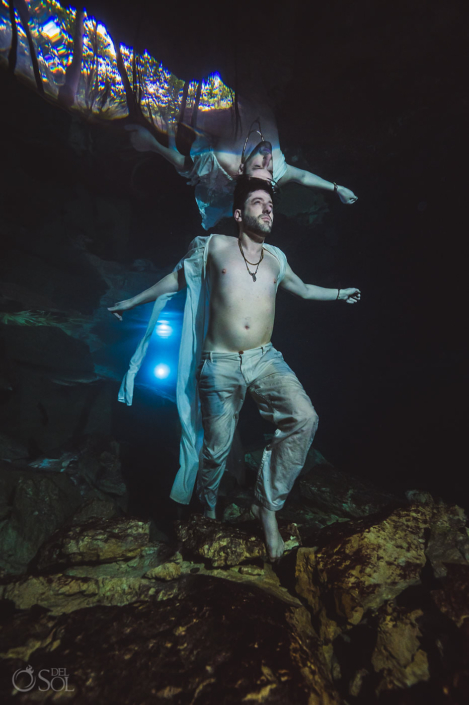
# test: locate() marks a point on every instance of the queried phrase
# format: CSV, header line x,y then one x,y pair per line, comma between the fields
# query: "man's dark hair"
x,y
245,185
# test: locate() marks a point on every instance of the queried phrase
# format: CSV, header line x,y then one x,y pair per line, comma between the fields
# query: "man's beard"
x,y
257,225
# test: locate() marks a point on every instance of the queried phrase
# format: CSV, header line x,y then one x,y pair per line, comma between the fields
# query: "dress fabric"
x,y
194,328
214,187
223,380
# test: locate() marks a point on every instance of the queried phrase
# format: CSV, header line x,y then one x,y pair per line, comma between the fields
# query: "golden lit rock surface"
x,y
216,642
224,544
398,656
365,562
95,541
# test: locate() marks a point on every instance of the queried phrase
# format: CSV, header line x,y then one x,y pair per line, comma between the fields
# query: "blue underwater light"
x,y
159,371
162,371
163,329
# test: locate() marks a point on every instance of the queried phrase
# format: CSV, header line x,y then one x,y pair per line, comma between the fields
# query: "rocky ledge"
x,y
369,609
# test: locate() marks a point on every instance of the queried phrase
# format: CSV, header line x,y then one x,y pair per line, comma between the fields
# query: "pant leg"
x,y
282,400
222,390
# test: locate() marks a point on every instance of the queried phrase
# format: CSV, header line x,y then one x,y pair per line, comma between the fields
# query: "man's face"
x,y
260,165
258,213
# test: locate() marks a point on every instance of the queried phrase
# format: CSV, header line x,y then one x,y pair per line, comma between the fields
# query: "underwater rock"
x,y
95,541
75,589
96,507
225,545
340,494
101,561
356,682
11,449
42,263
33,505
25,299
378,644
358,565
155,574
46,347
233,512
422,496
37,497
398,656
167,571
104,562
220,544
214,642
341,577
98,464
453,598
95,468
59,464
49,416
448,541
110,478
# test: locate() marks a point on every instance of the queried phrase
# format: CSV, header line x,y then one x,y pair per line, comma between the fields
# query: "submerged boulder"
x,y
398,657
100,561
39,496
227,545
32,506
95,541
453,598
330,490
215,642
359,565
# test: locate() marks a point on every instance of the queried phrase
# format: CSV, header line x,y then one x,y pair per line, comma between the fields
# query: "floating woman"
x,y
218,155
198,126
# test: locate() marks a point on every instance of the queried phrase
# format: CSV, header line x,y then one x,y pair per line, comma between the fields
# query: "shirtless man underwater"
x,y
237,355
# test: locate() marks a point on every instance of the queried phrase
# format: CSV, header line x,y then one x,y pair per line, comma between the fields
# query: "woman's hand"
x,y
142,140
346,195
351,295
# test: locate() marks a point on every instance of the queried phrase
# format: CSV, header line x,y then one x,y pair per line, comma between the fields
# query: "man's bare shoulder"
x,y
220,242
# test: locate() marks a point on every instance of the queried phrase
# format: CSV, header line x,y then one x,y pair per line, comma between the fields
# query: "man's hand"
x,y
351,296
142,140
346,195
118,309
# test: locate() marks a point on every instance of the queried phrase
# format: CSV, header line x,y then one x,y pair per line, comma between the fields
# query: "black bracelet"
x,y
338,294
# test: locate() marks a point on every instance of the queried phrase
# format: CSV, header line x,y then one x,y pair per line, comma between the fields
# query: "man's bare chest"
x,y
231,274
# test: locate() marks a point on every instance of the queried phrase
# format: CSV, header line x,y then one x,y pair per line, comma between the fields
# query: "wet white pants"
x,y
223,380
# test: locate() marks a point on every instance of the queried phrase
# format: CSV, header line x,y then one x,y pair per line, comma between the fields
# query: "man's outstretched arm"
x,y
170,284
292,283
306,178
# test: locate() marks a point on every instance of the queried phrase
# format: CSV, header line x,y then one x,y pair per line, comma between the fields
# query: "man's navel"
x,y
223,271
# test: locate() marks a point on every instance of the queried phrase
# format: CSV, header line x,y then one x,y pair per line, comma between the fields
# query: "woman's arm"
x,y
143,141
306,178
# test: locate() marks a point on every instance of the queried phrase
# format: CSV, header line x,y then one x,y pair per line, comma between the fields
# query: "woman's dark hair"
x,y
245,185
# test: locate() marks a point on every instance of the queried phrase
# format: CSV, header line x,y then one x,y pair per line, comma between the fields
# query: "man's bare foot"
x,y
273,540
210,514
